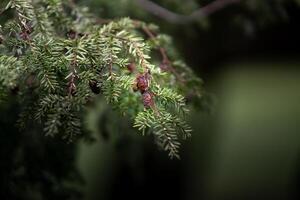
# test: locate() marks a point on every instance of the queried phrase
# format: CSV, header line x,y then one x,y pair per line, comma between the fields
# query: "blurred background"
x,y
245,145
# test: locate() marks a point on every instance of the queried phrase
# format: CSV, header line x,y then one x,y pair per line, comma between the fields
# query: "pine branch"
x,y
62,61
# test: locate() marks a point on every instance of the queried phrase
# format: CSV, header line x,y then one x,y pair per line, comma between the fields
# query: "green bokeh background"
x,y
248,147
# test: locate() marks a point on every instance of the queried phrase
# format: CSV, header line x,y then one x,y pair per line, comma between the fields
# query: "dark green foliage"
x,y
34,166
60,58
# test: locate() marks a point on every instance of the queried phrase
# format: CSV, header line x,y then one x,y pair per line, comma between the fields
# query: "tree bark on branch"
x,y
176,18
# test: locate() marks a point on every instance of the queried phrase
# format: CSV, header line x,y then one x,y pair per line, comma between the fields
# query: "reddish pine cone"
x,y
131,67
71,34
142,83
148,100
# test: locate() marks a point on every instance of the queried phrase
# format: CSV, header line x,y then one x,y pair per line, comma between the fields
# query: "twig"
x,y
165,60
72,86
176,18
110,65
73,74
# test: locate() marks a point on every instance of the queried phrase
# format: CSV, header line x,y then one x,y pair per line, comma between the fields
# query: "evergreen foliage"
x,y
57,58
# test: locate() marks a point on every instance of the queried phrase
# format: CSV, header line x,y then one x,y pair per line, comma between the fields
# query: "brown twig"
x,y
73,77
165,59
110,65
72,86
176,18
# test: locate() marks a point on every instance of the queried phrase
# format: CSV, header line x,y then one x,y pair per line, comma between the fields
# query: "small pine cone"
x,y
142,83
94,86
148,100
131,67
71,34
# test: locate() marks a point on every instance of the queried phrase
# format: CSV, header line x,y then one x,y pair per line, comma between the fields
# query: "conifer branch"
x,y
58,49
